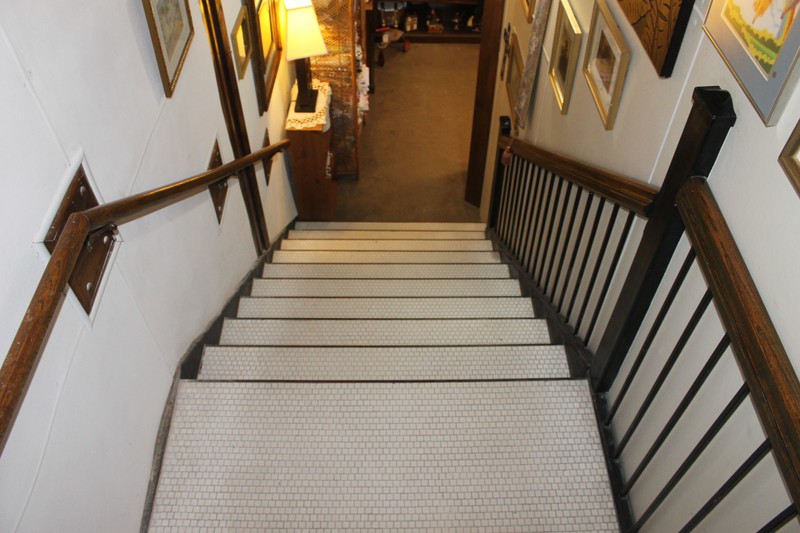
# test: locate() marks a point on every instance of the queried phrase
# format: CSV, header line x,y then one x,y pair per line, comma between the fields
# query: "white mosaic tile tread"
x,y
392,226
484,457
502,307
387,245
458,332
387,364
294,256
403,235
384,287
407,271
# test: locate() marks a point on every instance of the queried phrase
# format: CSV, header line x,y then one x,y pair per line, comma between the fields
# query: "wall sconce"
x,y
303,40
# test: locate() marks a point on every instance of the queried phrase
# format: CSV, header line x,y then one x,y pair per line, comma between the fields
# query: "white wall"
x,y
81,79
757,199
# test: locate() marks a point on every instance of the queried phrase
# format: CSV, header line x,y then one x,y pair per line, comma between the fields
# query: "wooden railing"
x,y
20,362
539,225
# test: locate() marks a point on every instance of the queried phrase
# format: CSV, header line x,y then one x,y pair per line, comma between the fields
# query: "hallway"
x,y
414,147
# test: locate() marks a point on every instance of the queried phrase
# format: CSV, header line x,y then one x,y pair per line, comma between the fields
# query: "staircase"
x,y
384,377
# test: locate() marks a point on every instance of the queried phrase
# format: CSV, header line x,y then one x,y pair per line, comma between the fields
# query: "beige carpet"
x,y
414,148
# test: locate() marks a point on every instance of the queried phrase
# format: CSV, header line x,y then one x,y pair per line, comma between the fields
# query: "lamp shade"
x,y
303,38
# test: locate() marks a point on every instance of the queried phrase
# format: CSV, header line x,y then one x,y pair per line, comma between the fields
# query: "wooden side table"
x,y
312,170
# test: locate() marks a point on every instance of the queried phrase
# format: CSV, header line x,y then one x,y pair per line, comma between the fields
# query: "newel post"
x,y
710,119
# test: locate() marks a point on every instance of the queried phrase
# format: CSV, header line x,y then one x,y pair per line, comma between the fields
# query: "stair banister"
x,y
20,362
708,124
770,376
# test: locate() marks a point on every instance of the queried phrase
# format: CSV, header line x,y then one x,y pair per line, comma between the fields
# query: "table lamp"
x,y
303,40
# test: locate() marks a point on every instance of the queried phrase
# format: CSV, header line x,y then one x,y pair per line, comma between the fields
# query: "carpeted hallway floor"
x,y
414,148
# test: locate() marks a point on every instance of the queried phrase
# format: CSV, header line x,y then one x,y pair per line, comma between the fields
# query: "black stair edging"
x,y
579,357
190,362
189,367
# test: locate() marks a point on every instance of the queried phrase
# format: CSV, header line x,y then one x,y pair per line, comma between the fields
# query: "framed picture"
x,y
266,48
564,57
171,30
514,73
790,158
605,62
528,6
760,45
241,42
660,25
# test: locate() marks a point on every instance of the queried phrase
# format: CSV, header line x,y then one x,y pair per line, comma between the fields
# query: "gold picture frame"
x,y
564,56
171,30
241,42
514,74
528,6
605,62
267,48
790,158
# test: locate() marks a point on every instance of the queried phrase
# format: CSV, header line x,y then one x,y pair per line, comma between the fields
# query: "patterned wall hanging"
x,y
525,94
660,25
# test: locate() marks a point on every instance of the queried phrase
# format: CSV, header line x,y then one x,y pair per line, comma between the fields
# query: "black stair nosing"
x,y
386,381
373,346
476,297
423,319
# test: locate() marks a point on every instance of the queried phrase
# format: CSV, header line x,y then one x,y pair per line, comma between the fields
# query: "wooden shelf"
x,y
446,37
442,2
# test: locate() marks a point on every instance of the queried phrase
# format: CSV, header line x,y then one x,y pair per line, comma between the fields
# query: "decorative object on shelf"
x,y
564,57
171,31
241,42
790,158
528,6
514,74
267,49
435,23
303,40
535,43
760,43
660,25
605,62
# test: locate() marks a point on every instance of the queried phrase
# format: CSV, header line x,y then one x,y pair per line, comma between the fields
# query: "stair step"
x,y
387,245
486,456
383,364
392,226
402,235
294,256
384,287
382,308
471,332
407,271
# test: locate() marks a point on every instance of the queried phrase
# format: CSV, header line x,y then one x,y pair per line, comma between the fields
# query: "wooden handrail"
x,y
634,195
20,362
773,383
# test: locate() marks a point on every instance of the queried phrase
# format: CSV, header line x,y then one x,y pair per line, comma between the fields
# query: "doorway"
x,y
414,148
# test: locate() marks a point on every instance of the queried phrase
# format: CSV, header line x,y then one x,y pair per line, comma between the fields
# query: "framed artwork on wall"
x,y
241,42
514,74
660,26
605,62
266,48
759,41
564,57
171,31
790,158
528,5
